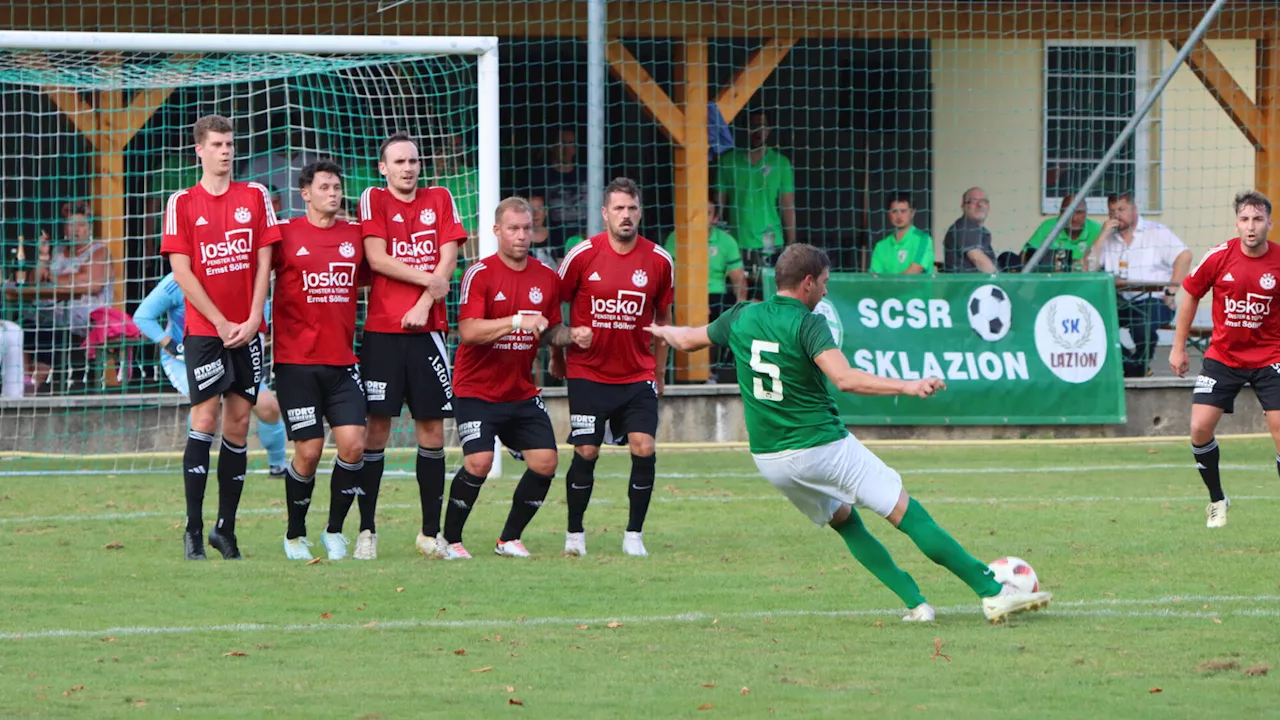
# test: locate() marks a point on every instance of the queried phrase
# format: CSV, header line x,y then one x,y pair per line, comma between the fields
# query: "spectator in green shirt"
x,y
724,260
908,250
757,187
1077,237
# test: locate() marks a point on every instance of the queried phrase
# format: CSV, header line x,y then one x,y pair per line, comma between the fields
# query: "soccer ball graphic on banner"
x,y
990,312
1016,572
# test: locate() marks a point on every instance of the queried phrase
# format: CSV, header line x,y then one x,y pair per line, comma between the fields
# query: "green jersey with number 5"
x,y
785,396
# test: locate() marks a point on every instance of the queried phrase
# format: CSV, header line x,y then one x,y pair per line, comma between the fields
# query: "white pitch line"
x,y
177,515
1078,608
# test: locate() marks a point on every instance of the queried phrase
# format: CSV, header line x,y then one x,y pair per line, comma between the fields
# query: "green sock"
x,y
941,548
868,551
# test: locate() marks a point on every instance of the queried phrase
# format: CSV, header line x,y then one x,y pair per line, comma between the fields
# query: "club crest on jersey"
x,y
535,296
1268,282
347,250
639,278
243,215
428,216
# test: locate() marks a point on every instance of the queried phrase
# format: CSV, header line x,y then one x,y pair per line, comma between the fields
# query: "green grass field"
x,y
744,608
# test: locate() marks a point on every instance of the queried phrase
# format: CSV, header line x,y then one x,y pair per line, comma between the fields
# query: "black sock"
x,y
233,461
195,476
1278,463
297,493
430,472
1207,464
370,483
640,491
344,488
526,500
579,482
463,492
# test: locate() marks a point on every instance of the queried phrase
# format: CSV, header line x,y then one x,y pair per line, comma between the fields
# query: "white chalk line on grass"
x,y
745,474
1076,608
177,515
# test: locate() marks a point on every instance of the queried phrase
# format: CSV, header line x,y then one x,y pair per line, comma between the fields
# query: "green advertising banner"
x,y
1013,349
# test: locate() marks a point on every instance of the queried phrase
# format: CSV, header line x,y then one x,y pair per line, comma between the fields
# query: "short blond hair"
x,y
516,203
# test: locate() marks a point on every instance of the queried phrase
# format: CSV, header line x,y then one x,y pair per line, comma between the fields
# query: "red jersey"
x,y
1246,333
414,232
616,296
314,307
222,235
503,371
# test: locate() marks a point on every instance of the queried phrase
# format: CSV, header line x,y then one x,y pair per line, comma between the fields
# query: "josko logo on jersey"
x,y
243,215
347,250
639,278
234,244
1268,282
1253,304
422,244
628,302
428,216
535,296
339,275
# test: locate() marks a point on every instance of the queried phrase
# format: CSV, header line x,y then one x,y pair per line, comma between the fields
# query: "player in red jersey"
x,y
1245,347
218,237
411,237
510,304
317,267
616,283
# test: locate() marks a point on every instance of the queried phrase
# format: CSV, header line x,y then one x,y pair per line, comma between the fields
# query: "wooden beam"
x,y
124,124
79,112
1028,19
692,188
626,68
749,79
1267,160
1218,81
108,187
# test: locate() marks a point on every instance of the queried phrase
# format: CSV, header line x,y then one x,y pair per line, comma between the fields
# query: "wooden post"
x,y
1267,160
692,187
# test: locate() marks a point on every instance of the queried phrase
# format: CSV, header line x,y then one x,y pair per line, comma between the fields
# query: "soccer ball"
x,y
1016,572
990,312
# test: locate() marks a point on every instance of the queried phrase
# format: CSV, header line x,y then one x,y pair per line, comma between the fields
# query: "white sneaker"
x,y
296,548
633,544
1215,513
920,613
575,544
336,544
1012,601
511,548
455,551
431,548
366,546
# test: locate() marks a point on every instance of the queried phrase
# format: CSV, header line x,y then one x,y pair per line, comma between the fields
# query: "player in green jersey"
x,y
786,356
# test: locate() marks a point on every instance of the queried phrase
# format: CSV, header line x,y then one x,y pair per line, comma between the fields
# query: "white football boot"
x,y
430,547
455,551
920,613
575,544
633,544
511,548
296,548
336,544
366,546
1215,513
1012,601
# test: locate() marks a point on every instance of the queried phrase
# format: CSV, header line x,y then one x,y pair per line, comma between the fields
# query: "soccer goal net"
x,y
95,134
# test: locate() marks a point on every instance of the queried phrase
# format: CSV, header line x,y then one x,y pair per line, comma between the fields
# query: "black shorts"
x,y
308,393
600,413
522,425
407,367
213,370
1218,385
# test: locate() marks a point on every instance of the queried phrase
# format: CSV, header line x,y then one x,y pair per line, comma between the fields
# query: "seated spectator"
x,y
724,261
540,243
1148,258
11,360
908,250
572,241
1077,238
966,248
563,187
74,280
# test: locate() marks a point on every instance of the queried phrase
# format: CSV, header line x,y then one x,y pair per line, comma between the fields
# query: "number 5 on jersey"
x,y
760,367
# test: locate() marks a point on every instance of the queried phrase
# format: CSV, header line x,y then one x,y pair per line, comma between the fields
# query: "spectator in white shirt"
x,y
1140,254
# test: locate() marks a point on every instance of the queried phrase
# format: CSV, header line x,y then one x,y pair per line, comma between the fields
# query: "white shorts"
x,y
819,480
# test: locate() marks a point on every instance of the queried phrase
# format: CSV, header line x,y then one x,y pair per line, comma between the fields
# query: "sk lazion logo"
x,y
347,250
428,216
1268,282
243,215
1071,338
639,279
535,296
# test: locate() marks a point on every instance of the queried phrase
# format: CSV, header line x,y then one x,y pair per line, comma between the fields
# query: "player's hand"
x,y
1110,227
557,367
660,382
924,387
1178,361
226,331
243,333
581,336
416,318
437,286
662,332
534,323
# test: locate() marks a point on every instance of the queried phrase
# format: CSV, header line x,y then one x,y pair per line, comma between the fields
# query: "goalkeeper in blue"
x,y
165,302
786,357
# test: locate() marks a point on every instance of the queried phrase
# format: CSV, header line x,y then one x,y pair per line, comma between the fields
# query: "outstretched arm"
x,y
685,339
836,367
